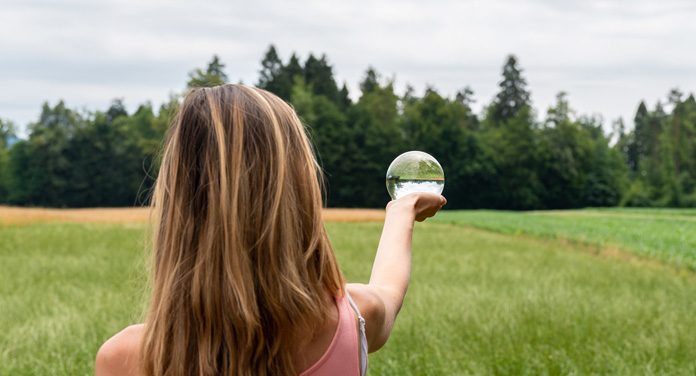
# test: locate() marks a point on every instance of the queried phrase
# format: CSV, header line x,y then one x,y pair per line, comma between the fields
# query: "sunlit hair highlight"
x,y
241,261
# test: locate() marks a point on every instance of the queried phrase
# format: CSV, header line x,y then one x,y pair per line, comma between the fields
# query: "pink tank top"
x,y
342,355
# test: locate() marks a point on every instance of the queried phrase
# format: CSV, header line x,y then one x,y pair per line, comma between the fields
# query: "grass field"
x,y
491,293
667,235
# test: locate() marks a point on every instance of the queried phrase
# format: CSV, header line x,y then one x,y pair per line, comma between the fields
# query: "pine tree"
x,y
637,147
344,101
116,109
293,68
370,82
288,76
270,73
319,75
513,94
674,99
213,75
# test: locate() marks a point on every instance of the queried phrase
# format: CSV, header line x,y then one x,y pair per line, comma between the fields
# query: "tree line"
x,y
507,157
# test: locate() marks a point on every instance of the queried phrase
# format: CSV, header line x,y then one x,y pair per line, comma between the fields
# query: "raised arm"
x,y
380,300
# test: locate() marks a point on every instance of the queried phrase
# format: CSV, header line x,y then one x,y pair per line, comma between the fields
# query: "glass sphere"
x,y
414,171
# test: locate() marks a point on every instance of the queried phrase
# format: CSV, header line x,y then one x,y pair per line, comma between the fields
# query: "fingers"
x,y
431,206
425,204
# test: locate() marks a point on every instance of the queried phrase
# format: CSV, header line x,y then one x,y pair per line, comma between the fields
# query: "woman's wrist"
x,y
404,207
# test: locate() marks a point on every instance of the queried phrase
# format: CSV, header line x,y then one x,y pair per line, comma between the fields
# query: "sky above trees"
x,y
607,55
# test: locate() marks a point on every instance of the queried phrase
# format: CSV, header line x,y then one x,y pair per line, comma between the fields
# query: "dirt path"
x,y
606,214
16,215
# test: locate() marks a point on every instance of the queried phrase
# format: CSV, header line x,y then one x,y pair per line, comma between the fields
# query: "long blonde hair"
x,y
242,264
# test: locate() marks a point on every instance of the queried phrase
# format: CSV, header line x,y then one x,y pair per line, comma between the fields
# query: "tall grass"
x,y
480,302
64,288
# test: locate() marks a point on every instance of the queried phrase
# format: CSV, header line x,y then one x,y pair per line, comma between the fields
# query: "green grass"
x,y
480,302
64,289
667,235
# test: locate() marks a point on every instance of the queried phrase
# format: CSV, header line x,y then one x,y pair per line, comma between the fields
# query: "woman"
x,y
244,279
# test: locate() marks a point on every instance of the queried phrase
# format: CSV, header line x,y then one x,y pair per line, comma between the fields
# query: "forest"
x,y
508,156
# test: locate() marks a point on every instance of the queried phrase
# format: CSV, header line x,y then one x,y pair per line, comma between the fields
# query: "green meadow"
x,y
667,235
565,292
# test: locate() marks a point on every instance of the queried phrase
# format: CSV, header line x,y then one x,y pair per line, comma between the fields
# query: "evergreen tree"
x,y
513,95
116,110
370,82
293,69
318,74
270,75
271,66
344,101
511,141
213,75
638,147
654,149
679,129
288,75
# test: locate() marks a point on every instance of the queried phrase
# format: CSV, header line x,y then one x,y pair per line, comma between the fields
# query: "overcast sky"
x,y
607,55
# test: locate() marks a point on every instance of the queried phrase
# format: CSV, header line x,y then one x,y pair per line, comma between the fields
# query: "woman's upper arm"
x,y
372,307
120,354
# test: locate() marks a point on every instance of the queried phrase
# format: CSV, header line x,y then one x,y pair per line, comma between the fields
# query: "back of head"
x,y
241,260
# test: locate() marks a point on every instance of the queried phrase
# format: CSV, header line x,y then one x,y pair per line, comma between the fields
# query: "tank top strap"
x,y
361,335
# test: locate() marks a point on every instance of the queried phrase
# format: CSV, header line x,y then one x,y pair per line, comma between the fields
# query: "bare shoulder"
x,y
120,354
373,310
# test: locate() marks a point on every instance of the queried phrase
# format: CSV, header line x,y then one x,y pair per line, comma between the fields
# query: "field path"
x,y
609,214
18,215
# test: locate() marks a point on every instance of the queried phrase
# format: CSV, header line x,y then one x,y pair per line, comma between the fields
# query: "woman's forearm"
x,y
391,270
382,297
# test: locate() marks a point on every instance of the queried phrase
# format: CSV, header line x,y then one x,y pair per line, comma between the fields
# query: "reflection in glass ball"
x,y
414,171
